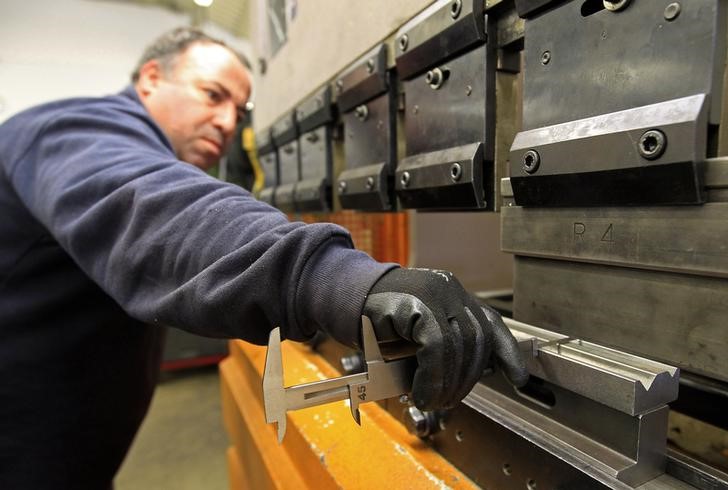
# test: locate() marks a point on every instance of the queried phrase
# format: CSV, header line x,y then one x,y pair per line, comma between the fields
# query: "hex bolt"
x,y
615,5
405,179
370,65
353,363
455,8
545,57
361,112
435,78
370,183
420,423
456,171
531,161
652,144
342,186
672,11
403,42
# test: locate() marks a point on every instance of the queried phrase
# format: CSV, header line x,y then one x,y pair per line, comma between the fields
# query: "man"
x,y
107,231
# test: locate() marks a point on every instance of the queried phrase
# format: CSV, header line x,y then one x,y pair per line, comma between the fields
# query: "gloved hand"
x,y
456,337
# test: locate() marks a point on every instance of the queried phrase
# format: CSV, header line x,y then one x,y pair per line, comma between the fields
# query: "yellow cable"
x,y
248,141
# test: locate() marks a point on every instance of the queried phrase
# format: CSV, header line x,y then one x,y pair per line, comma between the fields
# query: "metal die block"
x,y
675,318
289,163
364,188
639,156
449,105
364,79
601,410
370,150
495,457
451,178
316,111
264,141
614,449
267,195
313,192
268,160
284,129
284,197
567,57
312,195
269,166
367,101
285,137
443,30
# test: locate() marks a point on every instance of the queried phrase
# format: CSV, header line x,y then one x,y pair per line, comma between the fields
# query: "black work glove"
x,y
456,337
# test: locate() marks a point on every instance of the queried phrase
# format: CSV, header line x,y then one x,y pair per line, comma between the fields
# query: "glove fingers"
x,y
505,350
392,314
454,353
476,350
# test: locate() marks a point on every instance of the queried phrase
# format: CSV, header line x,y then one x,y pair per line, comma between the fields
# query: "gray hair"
x,y
167,48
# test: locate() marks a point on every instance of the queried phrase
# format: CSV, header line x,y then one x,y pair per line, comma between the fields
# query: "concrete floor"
x,y
182,443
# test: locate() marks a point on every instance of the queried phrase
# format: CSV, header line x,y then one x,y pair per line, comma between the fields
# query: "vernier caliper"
x,y
382,379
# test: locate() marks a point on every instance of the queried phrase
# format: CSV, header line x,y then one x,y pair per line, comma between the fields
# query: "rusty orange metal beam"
x,y
323,447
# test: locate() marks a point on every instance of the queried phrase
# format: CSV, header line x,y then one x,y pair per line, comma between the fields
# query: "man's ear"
x,y
150,75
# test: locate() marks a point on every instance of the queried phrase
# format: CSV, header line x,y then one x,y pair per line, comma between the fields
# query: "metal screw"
x,y
405,179
468,90
615,5
342,186
403,399
403,42
435,78
415,109
672,11
531,161
545,57
361,112
370,65
370,183
507,469
652,144
353,363
455,7
456,171
420,423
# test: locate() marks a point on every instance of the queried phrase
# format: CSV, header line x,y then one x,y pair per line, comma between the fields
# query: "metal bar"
x,y
320,392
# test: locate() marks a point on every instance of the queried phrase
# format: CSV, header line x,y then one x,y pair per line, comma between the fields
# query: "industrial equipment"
x,y
591,138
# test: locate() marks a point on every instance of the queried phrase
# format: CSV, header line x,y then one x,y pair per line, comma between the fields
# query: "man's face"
x,y
199,102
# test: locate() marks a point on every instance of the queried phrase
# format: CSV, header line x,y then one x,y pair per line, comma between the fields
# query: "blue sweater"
x,y
105,234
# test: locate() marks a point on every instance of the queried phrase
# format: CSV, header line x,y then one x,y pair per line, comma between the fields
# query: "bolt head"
x,y
342,186
370,183
405,179
652,144
403,40
531,161
456,171
545,57
672,11
455,8
416,421
615,5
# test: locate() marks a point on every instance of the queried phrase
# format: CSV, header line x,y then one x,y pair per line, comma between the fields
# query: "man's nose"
x,y
226,118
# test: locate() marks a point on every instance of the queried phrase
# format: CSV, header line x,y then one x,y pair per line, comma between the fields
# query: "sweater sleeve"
x,y
172,245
